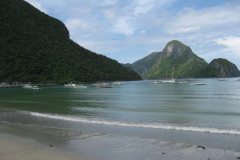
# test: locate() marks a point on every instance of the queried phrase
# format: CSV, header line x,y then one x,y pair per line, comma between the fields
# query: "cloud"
x,y
230,44
191,20
143,6
124,26
129,29
75,24
105,3
37,4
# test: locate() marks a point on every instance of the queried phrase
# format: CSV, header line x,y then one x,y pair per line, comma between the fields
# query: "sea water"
x,y
185,112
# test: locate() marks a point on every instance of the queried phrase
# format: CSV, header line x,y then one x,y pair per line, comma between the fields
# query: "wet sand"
x,y
95,146
115,147
19,148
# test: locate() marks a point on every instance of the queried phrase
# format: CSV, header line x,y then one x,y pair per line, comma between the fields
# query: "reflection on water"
x,y
216,104
207,115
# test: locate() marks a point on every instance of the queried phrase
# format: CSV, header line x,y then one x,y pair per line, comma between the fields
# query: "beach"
x,y
135,121
19,148
16,146
119,80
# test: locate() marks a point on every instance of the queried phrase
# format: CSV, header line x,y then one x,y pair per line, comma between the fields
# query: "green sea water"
x,y
134,108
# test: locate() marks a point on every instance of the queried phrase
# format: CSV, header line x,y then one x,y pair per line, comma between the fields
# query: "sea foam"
x,y
137,125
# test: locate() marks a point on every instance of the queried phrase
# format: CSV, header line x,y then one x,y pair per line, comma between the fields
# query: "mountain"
x,y
176,59
145,64
223,68
179,61
35,47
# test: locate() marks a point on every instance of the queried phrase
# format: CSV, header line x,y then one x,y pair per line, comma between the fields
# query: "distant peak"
x,y
224,68
175,43
176,48
220,60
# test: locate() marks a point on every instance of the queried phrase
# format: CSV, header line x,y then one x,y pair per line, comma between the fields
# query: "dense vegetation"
x,y
145,64
223,68
175,60
36,47
179,61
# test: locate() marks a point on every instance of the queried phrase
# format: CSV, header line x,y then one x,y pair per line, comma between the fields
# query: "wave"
x,y
137,125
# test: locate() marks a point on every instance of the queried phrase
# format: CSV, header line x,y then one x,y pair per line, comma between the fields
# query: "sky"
x,y
128,30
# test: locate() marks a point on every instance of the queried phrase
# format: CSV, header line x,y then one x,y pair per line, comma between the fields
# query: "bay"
x,y
180,111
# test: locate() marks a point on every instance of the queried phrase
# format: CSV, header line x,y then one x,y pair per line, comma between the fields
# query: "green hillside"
x,y
145,64
36,48
224,68
176,60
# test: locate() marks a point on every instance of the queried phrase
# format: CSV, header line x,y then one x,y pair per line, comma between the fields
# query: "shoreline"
x,y
95,146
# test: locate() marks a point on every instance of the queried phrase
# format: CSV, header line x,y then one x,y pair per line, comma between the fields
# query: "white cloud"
x,y
230,44
124,26
143,6
109,13
82,29
191,20
146,6
143,25
37,4
105,3
76,24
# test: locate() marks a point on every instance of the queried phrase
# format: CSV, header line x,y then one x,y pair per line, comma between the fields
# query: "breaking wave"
x,y
137,125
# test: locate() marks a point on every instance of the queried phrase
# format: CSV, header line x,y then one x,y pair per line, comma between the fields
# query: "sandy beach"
x,y
101,147
19,148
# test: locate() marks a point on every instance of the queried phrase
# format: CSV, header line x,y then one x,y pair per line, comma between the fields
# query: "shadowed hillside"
x,y
36,47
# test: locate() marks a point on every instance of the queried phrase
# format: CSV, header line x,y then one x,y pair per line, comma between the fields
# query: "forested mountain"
x,y
145,64
176,60
36,48
179,61
224,68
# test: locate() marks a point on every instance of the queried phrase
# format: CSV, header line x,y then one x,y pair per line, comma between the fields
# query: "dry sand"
x,y
18,148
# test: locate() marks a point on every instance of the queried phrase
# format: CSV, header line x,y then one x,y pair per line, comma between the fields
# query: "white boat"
x,y
35,87
29,86
118,83
70,85
168,80
80,86
156,82
104,85
222,79
198,84
164,81
4,84
73,85
182,81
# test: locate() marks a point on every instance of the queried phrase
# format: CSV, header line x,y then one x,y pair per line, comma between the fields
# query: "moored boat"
x,y
168,80
70,85
29,86
118,83
222,79
104,85
73,85
198,84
